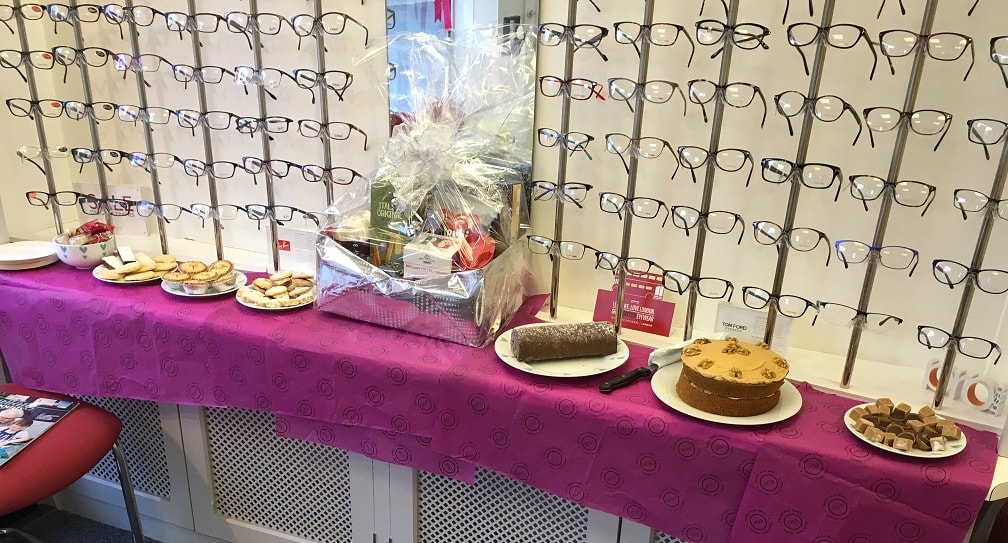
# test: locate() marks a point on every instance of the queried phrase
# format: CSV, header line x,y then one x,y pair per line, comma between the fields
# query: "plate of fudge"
x,y
729,382
899,429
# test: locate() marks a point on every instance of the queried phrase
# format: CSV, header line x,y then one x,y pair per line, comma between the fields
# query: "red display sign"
x,y
643,308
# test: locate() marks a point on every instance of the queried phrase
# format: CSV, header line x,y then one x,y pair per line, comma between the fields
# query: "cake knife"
x,y
659,358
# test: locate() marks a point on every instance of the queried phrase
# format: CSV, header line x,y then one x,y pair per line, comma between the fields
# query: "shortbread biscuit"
x,y
163,258
262,284
278,290
142,276
301,283
281,277
302,275
108,275
164,266
126,269
298,291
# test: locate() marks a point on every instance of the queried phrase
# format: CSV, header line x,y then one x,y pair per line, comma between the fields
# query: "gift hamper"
x,y
433,245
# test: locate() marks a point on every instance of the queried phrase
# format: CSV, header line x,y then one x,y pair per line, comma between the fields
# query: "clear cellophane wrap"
x,y
456,167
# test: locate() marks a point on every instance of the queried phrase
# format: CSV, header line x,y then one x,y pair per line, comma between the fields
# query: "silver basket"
x,y
465,307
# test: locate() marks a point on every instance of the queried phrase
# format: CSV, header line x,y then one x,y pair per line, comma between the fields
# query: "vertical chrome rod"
x,y
969,286
324,106
715,140
902,134
92,124
148,141
808,119
270,198
39,123
207,145
634,163
572,6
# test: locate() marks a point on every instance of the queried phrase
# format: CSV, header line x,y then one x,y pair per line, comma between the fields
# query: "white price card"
x,y
296,249
749,324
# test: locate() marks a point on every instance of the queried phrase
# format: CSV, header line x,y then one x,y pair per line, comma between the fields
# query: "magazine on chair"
x,y
24,418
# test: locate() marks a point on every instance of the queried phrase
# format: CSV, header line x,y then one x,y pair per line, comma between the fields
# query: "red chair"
x,y
60,456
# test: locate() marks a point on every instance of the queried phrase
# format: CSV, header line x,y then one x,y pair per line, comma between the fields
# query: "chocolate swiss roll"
x,y
552,341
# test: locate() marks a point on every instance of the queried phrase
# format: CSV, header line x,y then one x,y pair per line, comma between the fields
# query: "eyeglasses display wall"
x,y
225,120
840,227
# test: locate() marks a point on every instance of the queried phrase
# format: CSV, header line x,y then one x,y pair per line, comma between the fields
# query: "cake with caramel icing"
x,y
731,378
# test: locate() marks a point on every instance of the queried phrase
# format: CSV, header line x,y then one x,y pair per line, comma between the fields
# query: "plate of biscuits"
x,y
196,279
281,291
133,268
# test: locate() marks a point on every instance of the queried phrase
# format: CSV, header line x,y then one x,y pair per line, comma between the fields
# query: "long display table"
x,y
446,408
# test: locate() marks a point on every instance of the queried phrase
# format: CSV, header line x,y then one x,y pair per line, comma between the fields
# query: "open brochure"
x,y
24,418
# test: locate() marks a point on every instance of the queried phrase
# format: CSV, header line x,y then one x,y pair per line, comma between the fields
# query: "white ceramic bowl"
x,y
85,257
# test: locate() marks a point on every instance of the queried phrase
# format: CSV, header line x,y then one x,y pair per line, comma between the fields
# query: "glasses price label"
x,y
749,324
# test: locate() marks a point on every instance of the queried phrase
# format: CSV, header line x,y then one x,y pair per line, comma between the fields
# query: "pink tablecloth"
x,y
446,408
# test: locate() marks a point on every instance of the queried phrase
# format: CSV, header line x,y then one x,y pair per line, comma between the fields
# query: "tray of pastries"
x,y
193,278
283,290
128,267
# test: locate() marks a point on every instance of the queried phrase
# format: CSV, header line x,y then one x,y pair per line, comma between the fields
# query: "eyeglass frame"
x,y
644,30
153,208
990,205
972,274
689,166
702,220
775,298
572,146
956,340
51,197
116,207
559,192
876,253
858,314
553,249
694,284
325,132
629,201
924,39
639,89
568,33
799,168
809,105
89,110
890,186
906,117
821,35
972,132
719,94
564,87
725,28
317,26
785,237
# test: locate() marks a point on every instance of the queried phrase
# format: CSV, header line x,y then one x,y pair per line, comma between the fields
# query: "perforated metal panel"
x,y
496,509
661,537
291,486
143,443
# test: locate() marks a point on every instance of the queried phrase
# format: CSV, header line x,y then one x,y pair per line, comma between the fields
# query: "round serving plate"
x,y
564,367
663,383
951,447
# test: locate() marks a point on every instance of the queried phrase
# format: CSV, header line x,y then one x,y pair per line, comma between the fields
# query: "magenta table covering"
x,y
446,408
